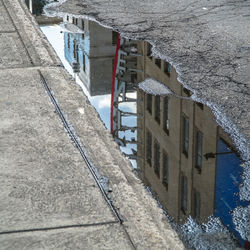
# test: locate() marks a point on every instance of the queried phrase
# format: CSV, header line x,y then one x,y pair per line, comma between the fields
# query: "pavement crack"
x,y
78,145
7,31
58,227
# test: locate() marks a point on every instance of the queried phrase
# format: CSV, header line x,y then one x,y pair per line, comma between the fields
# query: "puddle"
x,y
186,160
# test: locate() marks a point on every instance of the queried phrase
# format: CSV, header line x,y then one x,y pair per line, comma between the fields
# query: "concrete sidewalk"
x,y
48,197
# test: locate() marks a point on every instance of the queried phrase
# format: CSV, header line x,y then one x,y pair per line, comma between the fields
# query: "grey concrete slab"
x,y
43,179
28,31
13,53
5,22
93,237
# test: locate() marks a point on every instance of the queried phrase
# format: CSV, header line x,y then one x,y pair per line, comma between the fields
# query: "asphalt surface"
x,y
208,42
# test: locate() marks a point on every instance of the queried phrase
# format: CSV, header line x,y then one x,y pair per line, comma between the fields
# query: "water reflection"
x,y
187,160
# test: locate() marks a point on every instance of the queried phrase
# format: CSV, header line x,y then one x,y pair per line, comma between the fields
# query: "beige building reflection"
x,y
173,136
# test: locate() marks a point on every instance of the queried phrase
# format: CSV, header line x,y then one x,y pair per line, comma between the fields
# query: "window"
x,y
149,103
157,108
67,18
149,50
166,121
83,61
196,205
74,48
185,135
167,68
76,21
157,158
165,169
133,78
73,20
82,24
82,35
68,43
198,151
158,62
114,37
77,53
184,193
187,92
149,148
200,105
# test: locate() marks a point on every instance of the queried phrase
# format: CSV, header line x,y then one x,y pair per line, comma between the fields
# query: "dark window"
x,y
185,135
149,50
73,20
133,78
149,103
114,37
157,158
77,53
166,121
149,148
82,24
157,108
68,43
200,105
187,92
83,62
196,204
184,194
67,18
167,68
198,151
82,35
76,21
165,169
74,48
158,62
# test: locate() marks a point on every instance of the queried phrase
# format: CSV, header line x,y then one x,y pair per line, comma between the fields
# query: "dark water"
x,y
188,162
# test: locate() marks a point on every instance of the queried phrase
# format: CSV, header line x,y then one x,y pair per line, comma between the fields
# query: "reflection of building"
x,y
174,134
94,51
